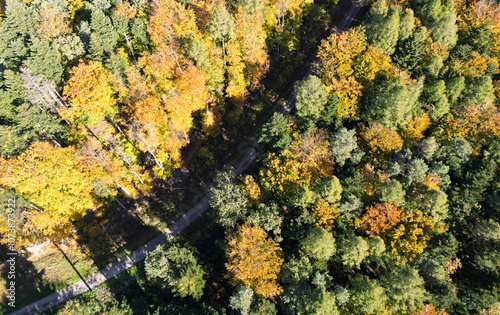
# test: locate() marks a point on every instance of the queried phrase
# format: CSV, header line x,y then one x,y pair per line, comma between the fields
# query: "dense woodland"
x,y
378,195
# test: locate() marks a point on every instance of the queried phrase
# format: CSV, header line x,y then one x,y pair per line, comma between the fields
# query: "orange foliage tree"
x,y
254,260
405,233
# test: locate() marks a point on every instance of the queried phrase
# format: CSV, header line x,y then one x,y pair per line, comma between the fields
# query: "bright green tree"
x,y
311,99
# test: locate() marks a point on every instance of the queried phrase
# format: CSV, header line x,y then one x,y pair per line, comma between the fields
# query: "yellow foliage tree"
x,y
251,189
55,182
379,141
413,131
338,52
325,214
90,94
475,123
254,260
53,22
429,309
348,92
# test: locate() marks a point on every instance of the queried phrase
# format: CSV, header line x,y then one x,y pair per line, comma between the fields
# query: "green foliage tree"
x,y
392,102
177,268
17,29
45,59
435,94
319,244
242,299
317,302
454,87
405,289
103,36
409,53
477,91
406,24
392,191
440,17
382,27
367,296
197,52
276,134
344,146
311,99
354,249
228,199
330,189
102,303
221,26
268,217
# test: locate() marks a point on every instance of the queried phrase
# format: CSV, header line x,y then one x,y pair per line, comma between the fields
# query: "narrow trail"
x,y
139,254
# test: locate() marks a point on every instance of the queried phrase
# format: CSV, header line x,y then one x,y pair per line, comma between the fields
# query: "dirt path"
x,y
136,256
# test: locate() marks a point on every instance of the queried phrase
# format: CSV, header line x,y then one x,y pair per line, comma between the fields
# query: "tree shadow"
x,y
29,282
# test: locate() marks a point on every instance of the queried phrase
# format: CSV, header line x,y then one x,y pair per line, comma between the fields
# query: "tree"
x,y
268,217
228,199
176,268
254,260
276,134
435,94
103,38
330,189
317,302
478,91
311,98
382,27
45,59
428,309
409,53
348,92
221,26
393,102
406,24
440,17
90,95
101,302
344,147
379,141
338,52
404,289
354,249
242,299
319,244
454,87
17,28
54,21
58,186
381,218
367,296
325,214
391,191
198,53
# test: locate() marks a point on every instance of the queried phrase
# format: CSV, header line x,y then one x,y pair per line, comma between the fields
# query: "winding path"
x,y
136,256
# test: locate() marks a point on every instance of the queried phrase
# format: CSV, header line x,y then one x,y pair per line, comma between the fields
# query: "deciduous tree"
x,y
254,260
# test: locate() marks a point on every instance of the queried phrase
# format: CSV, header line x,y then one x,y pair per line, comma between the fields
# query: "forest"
x,y
378,194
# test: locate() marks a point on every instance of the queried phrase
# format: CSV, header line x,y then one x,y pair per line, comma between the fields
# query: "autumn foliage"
x,y
254,260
